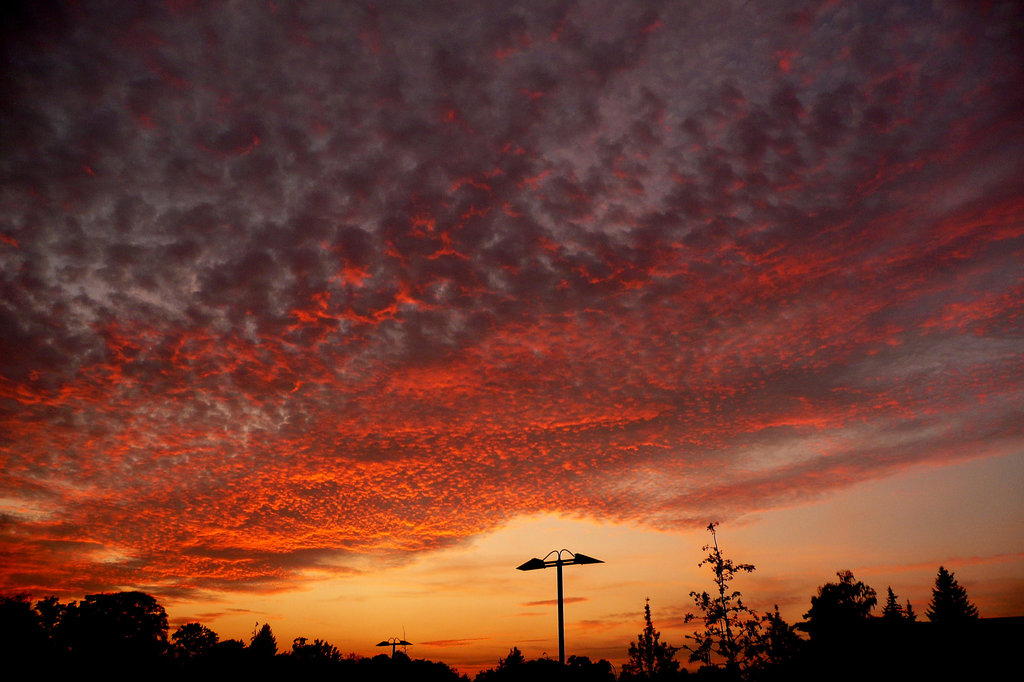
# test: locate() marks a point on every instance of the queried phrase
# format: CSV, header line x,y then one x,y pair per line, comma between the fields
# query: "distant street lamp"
x,y
394,642
558,562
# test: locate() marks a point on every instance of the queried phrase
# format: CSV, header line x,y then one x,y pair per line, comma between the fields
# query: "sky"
x,y
329,314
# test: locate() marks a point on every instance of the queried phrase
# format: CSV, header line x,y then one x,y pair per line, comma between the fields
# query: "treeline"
x,y
839,638
125,635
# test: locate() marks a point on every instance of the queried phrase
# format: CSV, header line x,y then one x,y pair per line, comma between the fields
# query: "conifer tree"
x,y
892,612
649,657
263,642
950,605
909,614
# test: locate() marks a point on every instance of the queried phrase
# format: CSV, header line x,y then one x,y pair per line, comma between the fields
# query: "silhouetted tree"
x,y
428,671
21,633
263,643
515,657
839,607
582,668
51,612
776,646
122,625
649,657
892,612
908,613
512,667
193,640
515,668
228,651
841,633
319,652
731,629
950,605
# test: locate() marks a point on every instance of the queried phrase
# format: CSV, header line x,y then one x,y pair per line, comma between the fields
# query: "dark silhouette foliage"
x,y
516,667
844,639
515,657
263,643
583,669
121,625
731,629
228,654
649,657
892,612
737,642
123,636
398,667
318,652
21,629
839,607
51,613
775,648
193,640
950,605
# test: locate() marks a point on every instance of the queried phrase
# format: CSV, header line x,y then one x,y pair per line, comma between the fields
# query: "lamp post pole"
x,y
558,562
561,615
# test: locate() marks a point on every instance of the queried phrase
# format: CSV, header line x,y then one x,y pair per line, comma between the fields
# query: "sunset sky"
x,y
330,314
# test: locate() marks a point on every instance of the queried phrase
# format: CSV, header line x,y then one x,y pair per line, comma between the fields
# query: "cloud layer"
x,y
288,283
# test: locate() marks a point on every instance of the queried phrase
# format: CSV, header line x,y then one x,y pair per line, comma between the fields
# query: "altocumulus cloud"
x,y
285,283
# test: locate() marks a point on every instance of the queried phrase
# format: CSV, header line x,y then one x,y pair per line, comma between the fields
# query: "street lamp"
x,y
558,562
394,642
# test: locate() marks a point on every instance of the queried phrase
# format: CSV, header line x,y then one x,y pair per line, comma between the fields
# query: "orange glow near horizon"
x,y
467,606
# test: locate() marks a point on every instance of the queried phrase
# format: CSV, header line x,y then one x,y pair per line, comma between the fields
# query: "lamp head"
x,y
532,565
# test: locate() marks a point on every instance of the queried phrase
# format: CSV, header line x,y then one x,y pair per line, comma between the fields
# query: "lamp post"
x,y
558,562
394,642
